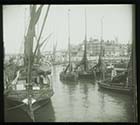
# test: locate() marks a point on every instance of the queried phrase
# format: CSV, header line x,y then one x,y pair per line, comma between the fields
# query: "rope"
x,y
17,106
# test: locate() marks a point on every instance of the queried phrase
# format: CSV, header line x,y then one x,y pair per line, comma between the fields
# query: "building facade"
x,y
110,48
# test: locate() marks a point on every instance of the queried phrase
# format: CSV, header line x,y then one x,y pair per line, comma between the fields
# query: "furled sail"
x,y
84,60
29,38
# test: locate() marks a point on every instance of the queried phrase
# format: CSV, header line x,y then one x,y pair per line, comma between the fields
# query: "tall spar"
x,y
28,97
101,53
69,37
68,73
85,44
84,72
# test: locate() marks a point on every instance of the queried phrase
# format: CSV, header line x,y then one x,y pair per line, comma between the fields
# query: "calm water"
x,y
82,101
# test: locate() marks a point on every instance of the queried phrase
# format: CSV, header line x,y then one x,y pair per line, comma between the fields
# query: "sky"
x,y
117,22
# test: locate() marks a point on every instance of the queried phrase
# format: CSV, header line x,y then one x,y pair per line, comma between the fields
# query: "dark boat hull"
x,y
115,88
68,76
86,76
12,113
19,96
14,100
12,105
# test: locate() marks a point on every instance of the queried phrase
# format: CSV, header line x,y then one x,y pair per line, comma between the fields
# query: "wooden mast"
x,y
84,59
69,39
28,51
69,66
29,66
100,61
41,31
85,44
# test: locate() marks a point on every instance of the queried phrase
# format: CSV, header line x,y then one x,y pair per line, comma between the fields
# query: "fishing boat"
x,y
118,80
68,73
31,85
121,82
104,69
83,70
112,77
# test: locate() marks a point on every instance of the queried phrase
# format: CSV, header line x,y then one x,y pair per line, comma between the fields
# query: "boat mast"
x,y
43,25
38,46
101,53
69,38
32,8
85,44
101,46
28,51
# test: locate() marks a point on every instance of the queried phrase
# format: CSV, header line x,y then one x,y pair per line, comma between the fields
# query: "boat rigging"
x,y
82,68
68,73
32,86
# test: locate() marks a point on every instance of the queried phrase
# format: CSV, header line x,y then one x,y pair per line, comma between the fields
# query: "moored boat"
x,y
114,77
118,86
69,73
41,86
86,75
121,82
30,85
83,70
69,76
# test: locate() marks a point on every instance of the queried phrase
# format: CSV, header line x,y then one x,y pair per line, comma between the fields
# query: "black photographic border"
x,y
136,33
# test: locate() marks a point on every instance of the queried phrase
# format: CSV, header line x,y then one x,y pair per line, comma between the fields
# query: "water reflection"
x,y
120,104
83,101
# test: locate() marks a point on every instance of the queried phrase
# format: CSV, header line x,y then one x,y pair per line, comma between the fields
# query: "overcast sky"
x,y
117,22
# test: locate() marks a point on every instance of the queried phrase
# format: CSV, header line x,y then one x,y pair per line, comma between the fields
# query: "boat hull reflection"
x,y
83,101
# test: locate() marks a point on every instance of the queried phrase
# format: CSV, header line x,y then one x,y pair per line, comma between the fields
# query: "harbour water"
x,y
80,101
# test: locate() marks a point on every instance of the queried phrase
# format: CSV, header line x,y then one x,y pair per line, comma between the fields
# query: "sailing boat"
x,y
32,85
114,81
82,68
100,67
121,82
68,73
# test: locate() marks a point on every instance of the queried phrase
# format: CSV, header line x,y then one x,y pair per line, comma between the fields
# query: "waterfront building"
x,y
111,49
